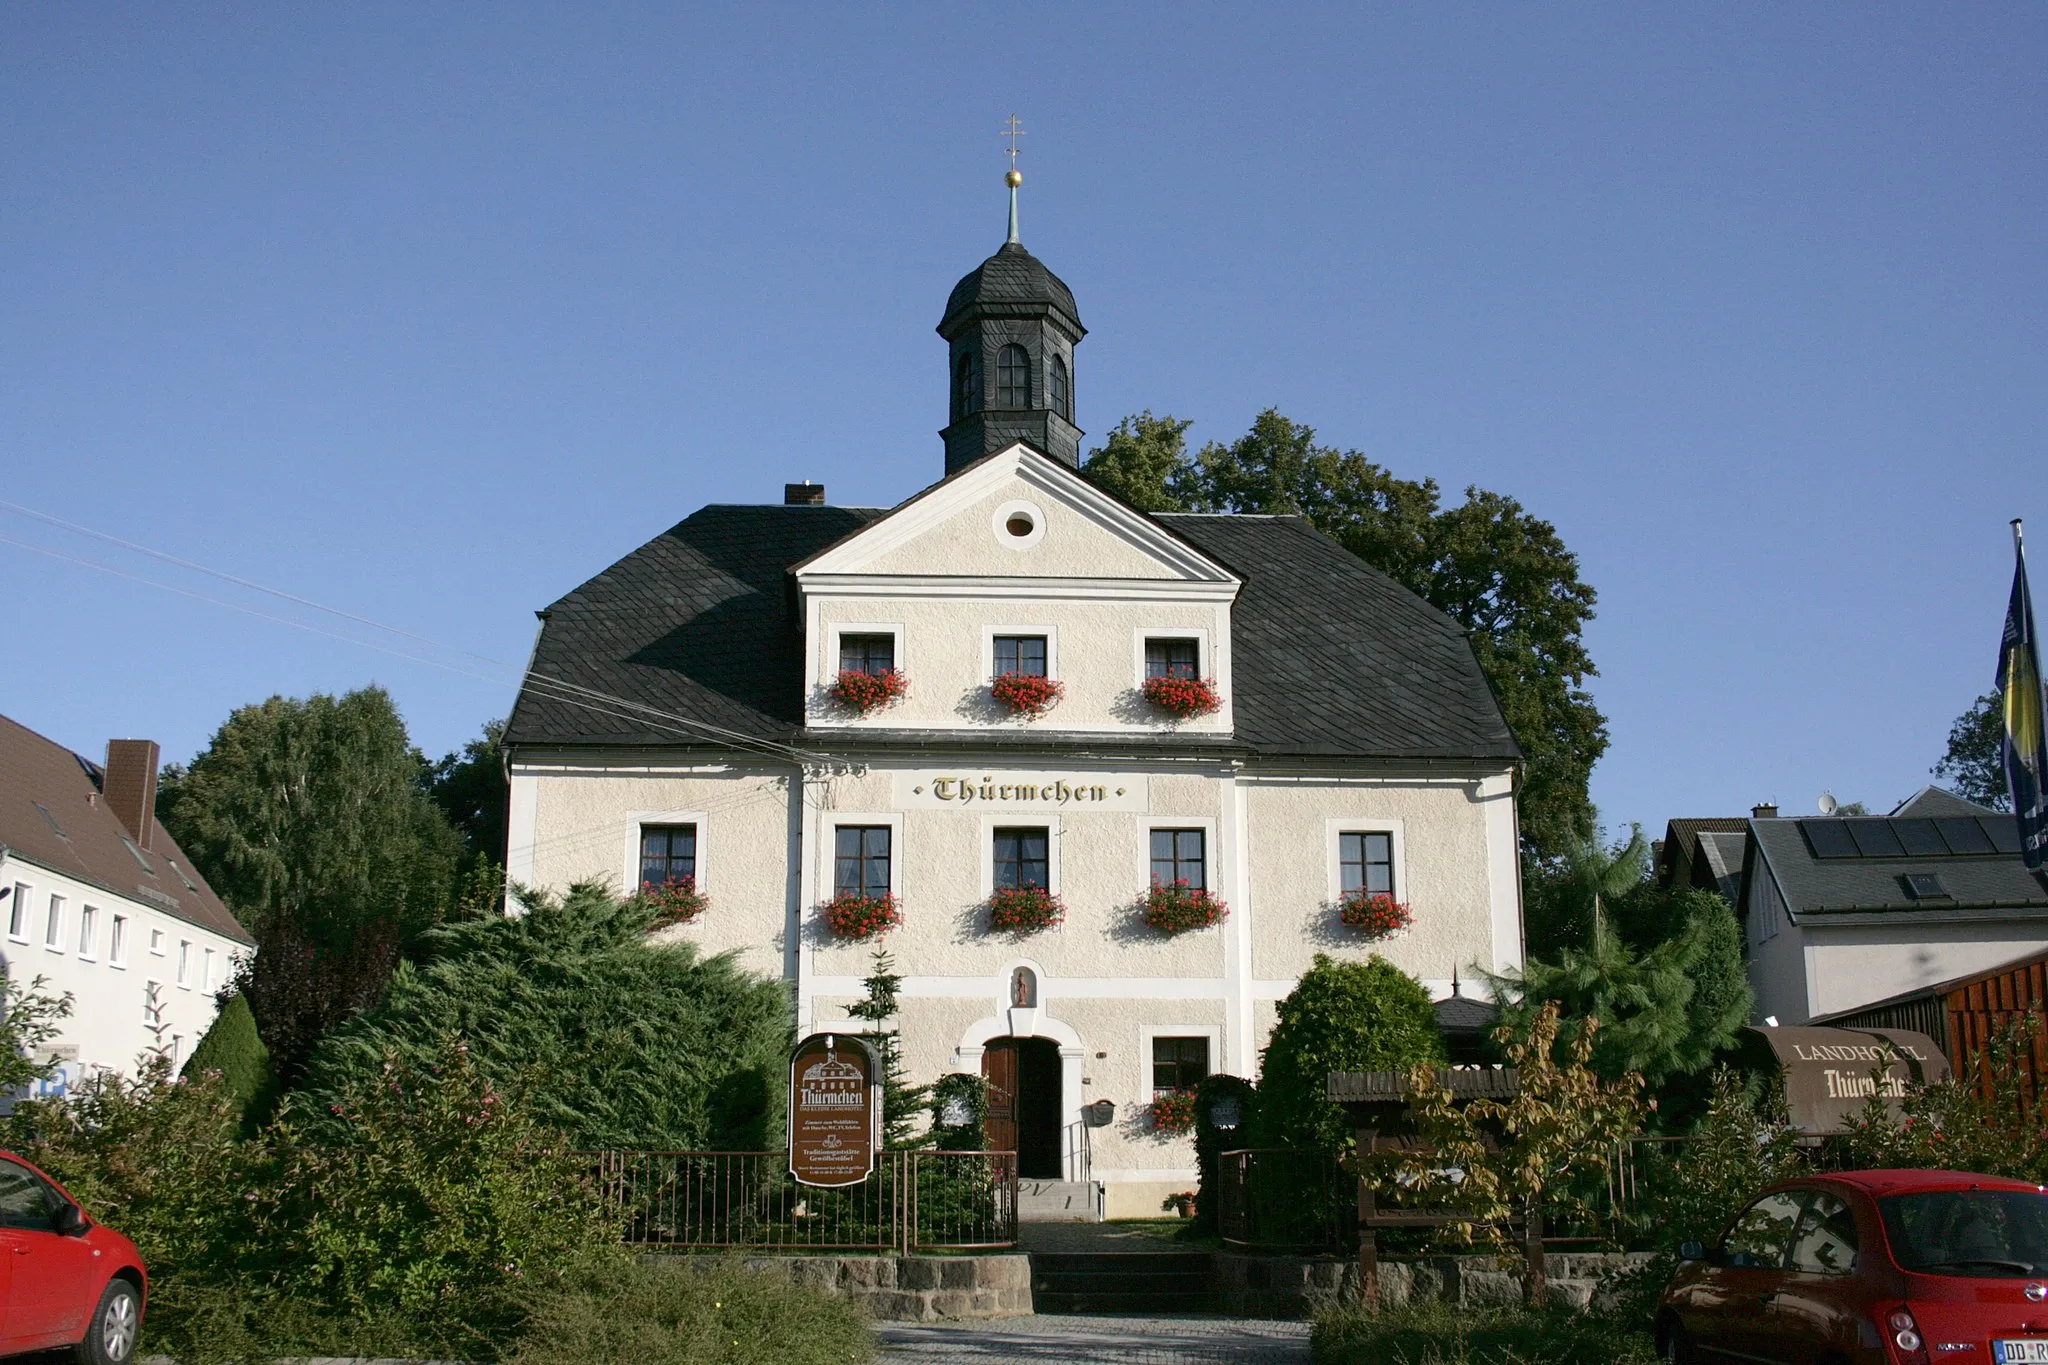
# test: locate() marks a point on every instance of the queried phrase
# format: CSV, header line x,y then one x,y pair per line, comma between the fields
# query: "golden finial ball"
x,y
1014,179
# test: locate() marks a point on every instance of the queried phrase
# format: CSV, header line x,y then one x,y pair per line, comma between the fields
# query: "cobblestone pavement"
x,y
1052,1338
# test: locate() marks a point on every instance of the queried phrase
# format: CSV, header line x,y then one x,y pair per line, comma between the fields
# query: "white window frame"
x,y
17,914
640,819
828,846
988,647
184,964
1147,1032
1333,853
206,971
999,521
88,932
156,941
53,925
117,943
991,822
828,666
1205,655
1205,823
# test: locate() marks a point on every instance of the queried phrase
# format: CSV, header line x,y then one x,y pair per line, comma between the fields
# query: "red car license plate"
x,y
2020,1352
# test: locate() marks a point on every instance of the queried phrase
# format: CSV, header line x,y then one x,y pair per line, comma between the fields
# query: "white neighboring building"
x,y
96,897
677,722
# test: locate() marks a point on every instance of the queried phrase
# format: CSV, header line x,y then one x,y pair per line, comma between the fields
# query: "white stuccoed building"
x,y
678,720
97,899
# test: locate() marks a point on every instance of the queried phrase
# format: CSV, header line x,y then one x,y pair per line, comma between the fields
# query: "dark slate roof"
x,y
1828,888
51,815
1682,838
1460,1014
1011,276
1330,656
1929,802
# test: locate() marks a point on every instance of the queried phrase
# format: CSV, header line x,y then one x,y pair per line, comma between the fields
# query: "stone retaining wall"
x,y
915,1288
1288,1286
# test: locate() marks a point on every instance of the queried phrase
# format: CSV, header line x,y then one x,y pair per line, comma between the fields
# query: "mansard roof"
x,y
1011,280
1331,658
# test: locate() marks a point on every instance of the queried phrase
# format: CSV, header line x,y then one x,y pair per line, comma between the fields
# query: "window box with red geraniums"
x,y
1174,1112
1024,909
675,901
1184,698
1374,913
853,915
1176,907
865,692
1029,695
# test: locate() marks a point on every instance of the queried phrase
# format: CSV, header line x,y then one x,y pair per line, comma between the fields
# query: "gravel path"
x,y
1097,1341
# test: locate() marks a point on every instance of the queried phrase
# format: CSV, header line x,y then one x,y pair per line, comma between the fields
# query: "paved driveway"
x,y
1051,1338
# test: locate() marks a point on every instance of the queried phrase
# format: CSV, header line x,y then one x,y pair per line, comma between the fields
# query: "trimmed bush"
x,y
1341,1016
233,1048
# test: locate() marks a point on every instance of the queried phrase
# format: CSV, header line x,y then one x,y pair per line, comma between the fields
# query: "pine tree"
x,y
234,1048
902,1103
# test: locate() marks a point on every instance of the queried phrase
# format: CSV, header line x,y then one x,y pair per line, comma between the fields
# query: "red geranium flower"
x,y
1183,697
863,692
852,915
1374,913
1176,907
675,901
1024,909
1026,694
1173,1112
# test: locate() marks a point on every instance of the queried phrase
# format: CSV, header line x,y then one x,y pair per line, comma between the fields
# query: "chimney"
x,y
1768,811
130,786
804,494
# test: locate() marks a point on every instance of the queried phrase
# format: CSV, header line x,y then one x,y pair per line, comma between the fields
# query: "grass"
x,y
690,1311
1443,1334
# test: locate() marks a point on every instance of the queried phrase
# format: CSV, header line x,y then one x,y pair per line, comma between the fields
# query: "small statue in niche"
x,y
1023,989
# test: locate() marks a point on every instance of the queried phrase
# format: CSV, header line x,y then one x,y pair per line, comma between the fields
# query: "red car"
x,y
64,1279
1869,1268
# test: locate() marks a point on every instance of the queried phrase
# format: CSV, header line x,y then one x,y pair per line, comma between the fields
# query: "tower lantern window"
x,y
1062,390
1013,377
967,385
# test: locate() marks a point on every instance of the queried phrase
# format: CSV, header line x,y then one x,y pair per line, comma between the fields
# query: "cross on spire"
x,y
1013,129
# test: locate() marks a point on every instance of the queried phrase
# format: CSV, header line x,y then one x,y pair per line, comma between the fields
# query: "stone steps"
x,y
1124,1282
1059,1201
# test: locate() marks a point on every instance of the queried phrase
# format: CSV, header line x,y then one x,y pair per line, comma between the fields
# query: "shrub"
x,y
1174,1112
865,692
616,1040
1214,1091
852,915
233,1048
1374,915
1184,698
1024,909
675,901
959,1109
1026,694
1986,1121
1436,1333
689,1311
1176,907
1341,1016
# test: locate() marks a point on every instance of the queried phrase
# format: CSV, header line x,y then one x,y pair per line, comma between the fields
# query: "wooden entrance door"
x,y
1023,1076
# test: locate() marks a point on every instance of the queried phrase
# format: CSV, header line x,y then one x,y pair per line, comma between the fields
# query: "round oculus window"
x,y
1020,524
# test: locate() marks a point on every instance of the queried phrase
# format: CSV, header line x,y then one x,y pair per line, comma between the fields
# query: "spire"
x,y
1013,130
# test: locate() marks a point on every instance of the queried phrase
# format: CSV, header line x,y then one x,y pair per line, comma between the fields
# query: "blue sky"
x,y
431,312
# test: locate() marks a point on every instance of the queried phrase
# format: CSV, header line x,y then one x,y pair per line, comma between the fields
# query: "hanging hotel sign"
x,y
1019,789
835,1110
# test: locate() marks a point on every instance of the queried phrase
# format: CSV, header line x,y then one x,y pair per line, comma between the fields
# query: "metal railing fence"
x,y
918,1200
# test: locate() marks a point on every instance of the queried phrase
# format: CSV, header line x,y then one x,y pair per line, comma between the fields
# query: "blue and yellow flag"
x,y
2026,736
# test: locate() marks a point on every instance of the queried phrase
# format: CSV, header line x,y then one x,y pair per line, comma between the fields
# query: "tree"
x,y
1340,1016
1503,574
902,1102
1565,897
470,788
233,1047
29,1018
312,820
1974,766
618,1040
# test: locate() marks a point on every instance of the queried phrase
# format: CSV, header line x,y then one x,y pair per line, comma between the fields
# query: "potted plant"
x,y
1024,909
1174,1112
865,692
1175,907
1183,698
1375,914
852,915
1181,1204
674,901
1029,695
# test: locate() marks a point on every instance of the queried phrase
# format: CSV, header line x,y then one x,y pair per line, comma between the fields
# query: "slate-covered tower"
x,y
1011,328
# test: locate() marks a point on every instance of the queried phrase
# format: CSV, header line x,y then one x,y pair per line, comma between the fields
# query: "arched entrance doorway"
x,y
1023,1076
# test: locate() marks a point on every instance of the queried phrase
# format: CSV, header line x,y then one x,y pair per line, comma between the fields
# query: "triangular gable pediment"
x,y
964,527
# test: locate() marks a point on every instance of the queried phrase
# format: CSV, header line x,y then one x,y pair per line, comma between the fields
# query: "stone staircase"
x,y
1130,1283
1059,1201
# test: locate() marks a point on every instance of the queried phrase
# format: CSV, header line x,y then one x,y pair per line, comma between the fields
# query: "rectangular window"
x,y
117,941
1173,658
184,963
88,930
668,853
1178,1064
861,861
1365,862
206,979
156,942
17,914
53,928
1020,654
1177,857
1022,858
871,654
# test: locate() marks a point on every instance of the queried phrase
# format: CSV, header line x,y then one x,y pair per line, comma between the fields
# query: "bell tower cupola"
x,y
1010,330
